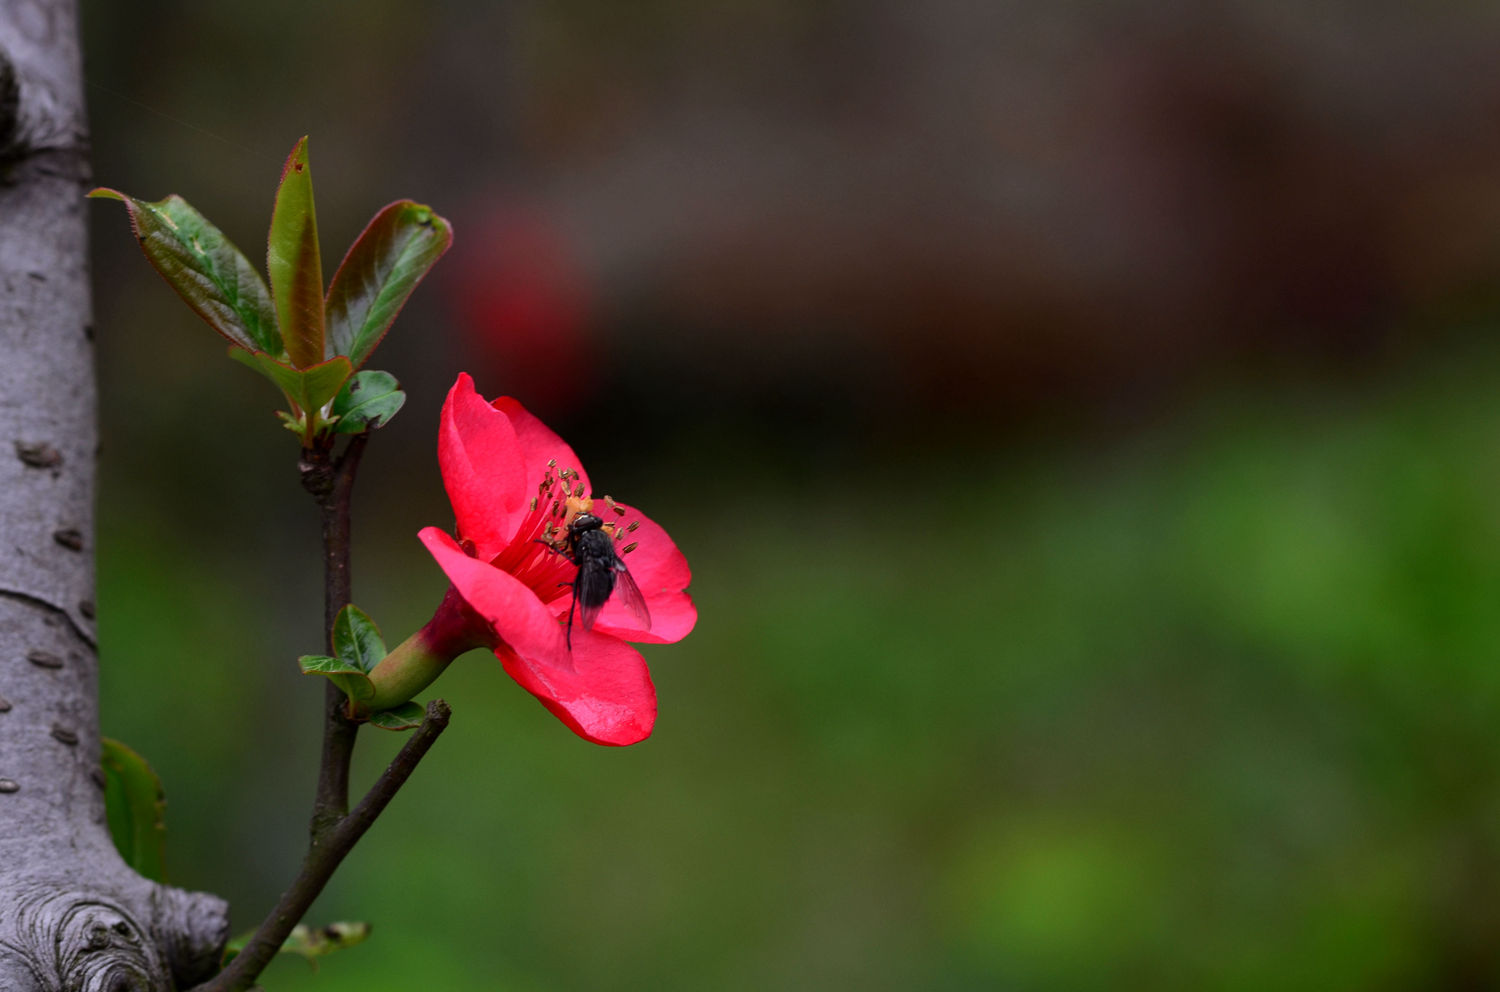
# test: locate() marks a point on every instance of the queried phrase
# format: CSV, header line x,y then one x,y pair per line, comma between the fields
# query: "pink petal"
x,y
539,444
484,468
605,697
661,571
601,689
511,609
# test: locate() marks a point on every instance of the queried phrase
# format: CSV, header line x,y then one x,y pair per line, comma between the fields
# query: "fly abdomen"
x,y
595,557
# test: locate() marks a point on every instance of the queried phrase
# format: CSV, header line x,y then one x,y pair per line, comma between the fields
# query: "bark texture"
x,y
72,915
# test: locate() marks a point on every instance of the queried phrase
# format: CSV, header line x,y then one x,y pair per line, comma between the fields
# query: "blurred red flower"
x,y
521,296
515,487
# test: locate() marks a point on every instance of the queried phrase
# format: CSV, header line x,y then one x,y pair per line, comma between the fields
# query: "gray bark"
x,y
73,916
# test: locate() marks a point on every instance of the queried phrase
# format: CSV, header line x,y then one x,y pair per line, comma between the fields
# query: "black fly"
x,y
600,572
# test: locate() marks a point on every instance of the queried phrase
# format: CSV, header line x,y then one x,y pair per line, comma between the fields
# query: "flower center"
x,y
537,555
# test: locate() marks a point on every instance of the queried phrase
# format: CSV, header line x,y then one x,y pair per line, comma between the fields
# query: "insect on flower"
x,y
590,544
538,566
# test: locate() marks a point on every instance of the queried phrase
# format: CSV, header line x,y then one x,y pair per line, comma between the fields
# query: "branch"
x,y
335,830
323,858
331,482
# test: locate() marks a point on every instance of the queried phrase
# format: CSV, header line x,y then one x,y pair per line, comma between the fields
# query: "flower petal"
x,y
509,606
661,571
484,468
601,689
605,697
539,444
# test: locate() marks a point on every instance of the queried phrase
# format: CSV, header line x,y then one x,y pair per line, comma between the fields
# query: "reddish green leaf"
x,y
383,266
293,262
308,389
205,268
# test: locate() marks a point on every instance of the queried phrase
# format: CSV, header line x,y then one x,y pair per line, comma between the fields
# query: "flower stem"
x,y
417,661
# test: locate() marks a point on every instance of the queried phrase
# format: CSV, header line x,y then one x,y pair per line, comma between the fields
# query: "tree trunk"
x,y
72,915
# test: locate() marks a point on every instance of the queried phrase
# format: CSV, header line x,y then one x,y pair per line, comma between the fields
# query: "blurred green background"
x,y
1081,420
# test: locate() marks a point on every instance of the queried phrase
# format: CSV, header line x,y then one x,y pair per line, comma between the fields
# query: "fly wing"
x,y
591,589
630,594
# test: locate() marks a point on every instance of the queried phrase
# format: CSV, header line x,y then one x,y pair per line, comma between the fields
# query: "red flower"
x,y
515,488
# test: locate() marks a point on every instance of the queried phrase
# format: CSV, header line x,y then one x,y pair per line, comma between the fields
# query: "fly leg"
x,y
573,605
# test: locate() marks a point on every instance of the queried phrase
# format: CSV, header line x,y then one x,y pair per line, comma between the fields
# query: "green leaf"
x,y
306,389
347,675
407,716
385,263
368,401
291,423
205,268
356,639
135,807
310,943
307,942
294,264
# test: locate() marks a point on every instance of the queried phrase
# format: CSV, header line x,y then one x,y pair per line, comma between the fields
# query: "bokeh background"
x,y
1082,420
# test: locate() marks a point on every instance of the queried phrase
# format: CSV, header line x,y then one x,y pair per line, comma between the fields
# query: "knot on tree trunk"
x,y
60,940
37,119
191,929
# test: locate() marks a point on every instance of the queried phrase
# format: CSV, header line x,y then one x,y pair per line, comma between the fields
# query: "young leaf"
x,y
307,942
383,266
407,716
205,268
292,259
135,807
347,675
356,639
368,401
307,388
311,944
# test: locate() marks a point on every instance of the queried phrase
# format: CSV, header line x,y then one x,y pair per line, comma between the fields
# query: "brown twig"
x,y
334,828
331,482
324,857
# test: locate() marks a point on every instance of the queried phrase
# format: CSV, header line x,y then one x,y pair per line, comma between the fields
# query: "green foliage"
x,y
368,401
313,943
352,680
294,263
358,648
135,806
308,943
407,716
387,260
356,639
307,390
210,274
308,347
